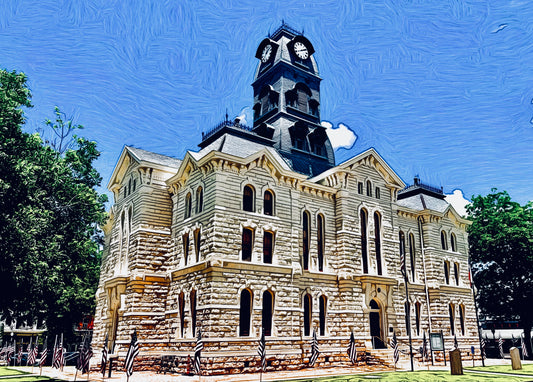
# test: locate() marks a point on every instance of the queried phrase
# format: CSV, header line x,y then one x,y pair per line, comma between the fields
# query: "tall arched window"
x,y
447,272
199,200
412,255
186,248
443,240
456,272
188,205
308,306
417,317
306,229
368,188
247,240
452,324
245,313
322,311
192,299
197,242
364,248
462,318
320,241
377,240
268,203
268,309
407,307
248,199
402,254
268,244
181,308
453,240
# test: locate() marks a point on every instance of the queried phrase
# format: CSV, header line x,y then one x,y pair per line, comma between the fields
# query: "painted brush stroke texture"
x,y
442,89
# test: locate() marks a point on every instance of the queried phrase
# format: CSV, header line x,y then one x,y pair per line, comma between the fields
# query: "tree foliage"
x,y
501,252
49,216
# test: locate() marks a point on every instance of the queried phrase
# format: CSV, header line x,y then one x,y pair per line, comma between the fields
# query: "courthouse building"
x,y
260,230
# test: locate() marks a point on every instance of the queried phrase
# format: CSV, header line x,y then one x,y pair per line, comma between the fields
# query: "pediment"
x,y
123,164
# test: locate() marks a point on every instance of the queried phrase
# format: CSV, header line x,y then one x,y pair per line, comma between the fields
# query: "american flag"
x,y
524,348
133,351
44,354
87,353
482,347
19,356
58,357
352,351
402,263
314,350
500,346
32,356
394,345
198,352
104,356
261,350
10,352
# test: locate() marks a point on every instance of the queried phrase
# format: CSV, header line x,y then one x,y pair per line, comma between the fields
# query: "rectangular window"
x,y
186,248
267,247
197,239
247,237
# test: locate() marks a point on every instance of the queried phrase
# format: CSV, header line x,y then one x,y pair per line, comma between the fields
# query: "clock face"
x,y
301,50
267,51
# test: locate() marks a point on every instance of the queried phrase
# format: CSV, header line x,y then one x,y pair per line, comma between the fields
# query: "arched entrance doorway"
x,y
376,330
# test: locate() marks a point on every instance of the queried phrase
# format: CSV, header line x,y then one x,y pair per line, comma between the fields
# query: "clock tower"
x,y
287,101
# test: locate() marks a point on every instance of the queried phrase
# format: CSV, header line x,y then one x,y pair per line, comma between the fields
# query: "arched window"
x,y
364,251
412,255
197,242
313,107
308,306
247,240
268,241
245,313
186,248
452,324
443,240
134,184
268,309
402,254
188,205
320,241
268,203
447,272
306,229
462,318
417,317
368,188
248,199
192,299
199,200
407,307
129,186
453,240
456,272
360,188
181,308
377,240
322,311
378,193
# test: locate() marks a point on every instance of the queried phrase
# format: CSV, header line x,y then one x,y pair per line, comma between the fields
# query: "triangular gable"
x,y
454,216
123,163
370,158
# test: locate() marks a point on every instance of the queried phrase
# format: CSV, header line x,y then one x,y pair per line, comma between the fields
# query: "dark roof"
x,y
148,156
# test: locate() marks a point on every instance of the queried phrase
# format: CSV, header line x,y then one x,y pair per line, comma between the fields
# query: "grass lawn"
x,y
526,369
12,375
7,371
417,376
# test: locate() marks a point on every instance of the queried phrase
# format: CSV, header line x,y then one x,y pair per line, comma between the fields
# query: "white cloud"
x,y
341,136
245,115
458,201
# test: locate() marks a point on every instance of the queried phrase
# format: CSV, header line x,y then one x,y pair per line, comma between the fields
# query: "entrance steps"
x,y
383,356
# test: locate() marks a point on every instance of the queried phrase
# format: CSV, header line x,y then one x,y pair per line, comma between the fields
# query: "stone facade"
x,y
240,237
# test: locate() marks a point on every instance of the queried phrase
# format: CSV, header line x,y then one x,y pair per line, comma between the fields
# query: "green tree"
x,y
501,253
49,217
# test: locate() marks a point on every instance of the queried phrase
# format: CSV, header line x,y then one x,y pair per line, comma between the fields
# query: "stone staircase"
x,y
383,356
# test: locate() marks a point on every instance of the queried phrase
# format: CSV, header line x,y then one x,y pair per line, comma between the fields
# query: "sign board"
x,y
436,341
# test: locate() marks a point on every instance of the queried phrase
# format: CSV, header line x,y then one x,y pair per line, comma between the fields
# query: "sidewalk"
x,y
148,376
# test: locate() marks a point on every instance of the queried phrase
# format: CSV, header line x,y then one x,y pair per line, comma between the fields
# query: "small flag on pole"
x,y
32,356
57,358
261,350
524,348
44,354
352,351
198,352
133,351
482,347
104,356
314,350
500,346
19,356
402,263
394,345
85,354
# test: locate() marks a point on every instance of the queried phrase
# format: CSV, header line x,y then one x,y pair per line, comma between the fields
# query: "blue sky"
x,y
442,89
